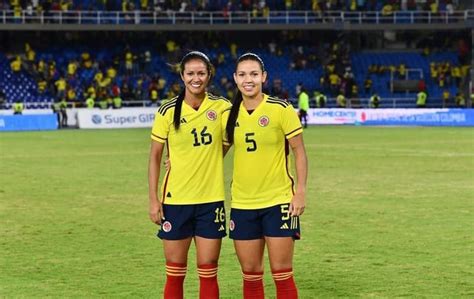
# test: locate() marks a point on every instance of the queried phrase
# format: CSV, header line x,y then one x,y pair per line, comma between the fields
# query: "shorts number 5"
x,y
285,212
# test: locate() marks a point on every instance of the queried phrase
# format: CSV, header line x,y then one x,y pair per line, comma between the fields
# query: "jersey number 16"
x,y
206,137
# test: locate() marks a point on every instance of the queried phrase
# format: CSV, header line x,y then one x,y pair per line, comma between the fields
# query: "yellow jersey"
x,y
196,174
261,175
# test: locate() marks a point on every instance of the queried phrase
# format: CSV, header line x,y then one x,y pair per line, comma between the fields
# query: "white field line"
x,y
75,154
410,152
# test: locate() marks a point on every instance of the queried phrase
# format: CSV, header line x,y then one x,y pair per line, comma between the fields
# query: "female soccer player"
x,y
191,203
265,204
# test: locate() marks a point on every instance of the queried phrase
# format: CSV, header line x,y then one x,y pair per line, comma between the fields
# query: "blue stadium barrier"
x,y
35,122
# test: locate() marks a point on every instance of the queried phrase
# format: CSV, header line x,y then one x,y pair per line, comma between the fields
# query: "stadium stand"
x,y
296,64
42,74
220,5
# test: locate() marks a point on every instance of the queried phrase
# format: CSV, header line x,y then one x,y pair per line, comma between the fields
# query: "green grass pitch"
x,y
389,214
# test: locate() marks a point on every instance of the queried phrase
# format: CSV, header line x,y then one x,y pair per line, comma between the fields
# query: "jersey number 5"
x,y
252,143
206,137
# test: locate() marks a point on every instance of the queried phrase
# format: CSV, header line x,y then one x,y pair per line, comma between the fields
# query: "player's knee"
x,y
252,267
280,265
207,260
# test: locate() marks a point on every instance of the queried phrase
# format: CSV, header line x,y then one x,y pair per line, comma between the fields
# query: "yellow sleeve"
x,y
290,122
161,127
225,117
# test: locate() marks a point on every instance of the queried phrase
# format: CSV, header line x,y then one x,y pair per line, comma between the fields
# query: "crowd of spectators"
x,y
261,7
132,73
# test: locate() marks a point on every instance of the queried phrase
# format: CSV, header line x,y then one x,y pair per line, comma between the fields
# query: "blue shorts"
x,y
203,220
274,221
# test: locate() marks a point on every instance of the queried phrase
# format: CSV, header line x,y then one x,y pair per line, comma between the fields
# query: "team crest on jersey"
x,y
231,225
211,115
263,121
166,226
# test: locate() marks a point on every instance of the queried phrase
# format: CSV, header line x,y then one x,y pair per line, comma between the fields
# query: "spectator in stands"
x,y
341,100
90,102
161,86
71,97
16,65
72,68
137,86
42,85
86,60
41,68
335,83
375,101
91,92
456,74
111,74
153,94
18,107
104,98
117,102
126,92
324,83
402,71
191,207
17,10
387,12
30,56
321,99
52,71
173,91
129,62
446,96
421,99
355,102
233,50
61,86
460,100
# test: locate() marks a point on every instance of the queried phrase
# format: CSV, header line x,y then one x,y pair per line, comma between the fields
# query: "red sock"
x,y
285,284
253,285
208,287
175,274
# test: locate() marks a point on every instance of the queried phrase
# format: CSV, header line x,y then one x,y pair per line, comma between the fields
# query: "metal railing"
x,y
331,103
234,17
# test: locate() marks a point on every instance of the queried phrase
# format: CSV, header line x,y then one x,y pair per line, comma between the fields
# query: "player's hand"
x,y
156,212
167,164
297,204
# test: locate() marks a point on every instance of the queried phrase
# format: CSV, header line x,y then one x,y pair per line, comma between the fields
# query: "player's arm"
x,y
301,163
225,143
155,209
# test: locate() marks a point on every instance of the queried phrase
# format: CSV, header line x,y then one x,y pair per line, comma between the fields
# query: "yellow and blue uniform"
x,y
262,186
196,175
195,151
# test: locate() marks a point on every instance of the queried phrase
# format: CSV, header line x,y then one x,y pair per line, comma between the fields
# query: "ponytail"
x,y
234,114
177,110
